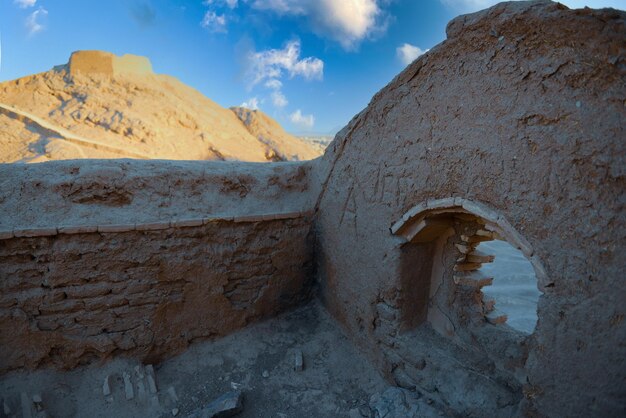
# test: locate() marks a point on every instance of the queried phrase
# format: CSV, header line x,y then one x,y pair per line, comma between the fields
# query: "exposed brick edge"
x,y
149,226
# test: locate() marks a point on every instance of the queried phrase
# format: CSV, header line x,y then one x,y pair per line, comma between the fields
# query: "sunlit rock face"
x,y
100,105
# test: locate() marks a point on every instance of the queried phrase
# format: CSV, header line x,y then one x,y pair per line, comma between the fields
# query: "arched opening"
x,y
483,272
444,332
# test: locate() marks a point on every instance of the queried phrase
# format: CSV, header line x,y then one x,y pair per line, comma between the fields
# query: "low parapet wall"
x,y
78,285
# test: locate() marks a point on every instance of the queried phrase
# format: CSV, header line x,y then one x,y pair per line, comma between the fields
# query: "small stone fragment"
x,y
141,389
265,374
151,379
354,413
467,266
464,249
227,405
172,392
174,411
38,402
128,387
299,361
365,411
139,372
106,386
27,410
480,257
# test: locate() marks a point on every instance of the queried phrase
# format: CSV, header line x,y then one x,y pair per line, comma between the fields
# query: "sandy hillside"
x,y
118,111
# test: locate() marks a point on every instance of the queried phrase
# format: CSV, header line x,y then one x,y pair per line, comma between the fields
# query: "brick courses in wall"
x,y
71,299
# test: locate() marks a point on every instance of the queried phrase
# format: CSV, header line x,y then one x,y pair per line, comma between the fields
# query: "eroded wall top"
x,y
110,192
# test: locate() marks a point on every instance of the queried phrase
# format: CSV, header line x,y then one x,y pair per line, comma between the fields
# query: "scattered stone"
x,y
401,403
354,413
235,386
174,411
128,387
154,400
227,405
365,411
299,361
141,389
151,379
27,410
106,386
480,257
265,374
467,266
172,392
38,402
139,372
464,249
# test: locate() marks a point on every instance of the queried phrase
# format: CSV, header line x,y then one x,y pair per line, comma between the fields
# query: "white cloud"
x,y
252,103
408,53
279,99
24,4
345,21
272,64
33,21
214,22
303,121
232,4
273,84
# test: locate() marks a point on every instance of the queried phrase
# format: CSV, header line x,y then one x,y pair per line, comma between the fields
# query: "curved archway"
x,y
426,221
454,228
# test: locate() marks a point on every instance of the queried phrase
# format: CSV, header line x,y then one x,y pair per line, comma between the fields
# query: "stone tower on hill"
x,y
100,62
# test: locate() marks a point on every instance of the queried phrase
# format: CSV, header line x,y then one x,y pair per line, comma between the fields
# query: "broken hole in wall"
x,y
514,292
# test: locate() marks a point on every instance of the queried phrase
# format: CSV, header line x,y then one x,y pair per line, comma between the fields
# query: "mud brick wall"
x,y
69,299
520,109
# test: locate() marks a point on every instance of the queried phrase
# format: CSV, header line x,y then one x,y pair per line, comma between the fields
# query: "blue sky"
x,y
311,64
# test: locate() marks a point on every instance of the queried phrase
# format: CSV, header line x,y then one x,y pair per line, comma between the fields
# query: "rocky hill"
x,y
99,105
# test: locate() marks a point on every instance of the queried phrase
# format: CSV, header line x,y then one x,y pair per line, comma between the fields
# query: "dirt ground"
x,y
259,361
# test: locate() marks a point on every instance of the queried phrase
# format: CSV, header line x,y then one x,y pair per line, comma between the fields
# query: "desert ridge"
x,y
100,105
